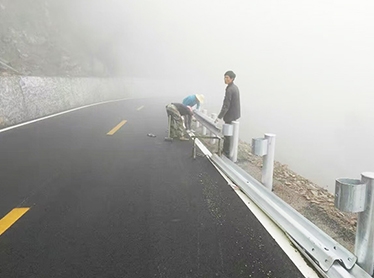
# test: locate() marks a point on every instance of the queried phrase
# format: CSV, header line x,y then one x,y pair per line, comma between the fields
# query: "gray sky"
x,y
259,35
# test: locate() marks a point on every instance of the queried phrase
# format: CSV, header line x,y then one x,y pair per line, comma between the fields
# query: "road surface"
x,y
89,194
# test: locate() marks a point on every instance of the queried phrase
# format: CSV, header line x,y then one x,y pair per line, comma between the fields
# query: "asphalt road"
x,y
123,205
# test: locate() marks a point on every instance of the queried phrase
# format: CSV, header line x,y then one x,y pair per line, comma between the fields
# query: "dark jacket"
x,y
231,104
185,112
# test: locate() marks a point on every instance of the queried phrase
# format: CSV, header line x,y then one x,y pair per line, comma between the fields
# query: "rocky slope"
x,y
312,201
35,40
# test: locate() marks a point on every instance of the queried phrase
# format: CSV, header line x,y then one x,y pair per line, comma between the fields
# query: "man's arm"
x,y
226,104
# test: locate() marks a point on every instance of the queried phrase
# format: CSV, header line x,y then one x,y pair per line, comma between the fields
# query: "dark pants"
x,y
226,143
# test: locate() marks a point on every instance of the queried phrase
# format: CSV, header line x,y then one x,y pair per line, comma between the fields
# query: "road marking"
x,y
61,113
9,219
140,108
116,128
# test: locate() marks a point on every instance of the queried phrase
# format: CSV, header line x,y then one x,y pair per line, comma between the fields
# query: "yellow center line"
x,y
114,130
9,219
141,107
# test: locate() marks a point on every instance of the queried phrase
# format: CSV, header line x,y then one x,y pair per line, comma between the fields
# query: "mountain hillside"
x,y
34,40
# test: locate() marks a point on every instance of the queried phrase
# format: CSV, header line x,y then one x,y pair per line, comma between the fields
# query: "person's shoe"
x,y
183,138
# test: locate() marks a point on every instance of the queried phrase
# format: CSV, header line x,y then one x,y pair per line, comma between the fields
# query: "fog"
x,y
304,68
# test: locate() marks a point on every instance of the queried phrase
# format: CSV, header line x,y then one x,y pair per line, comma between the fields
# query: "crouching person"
x,y
177,111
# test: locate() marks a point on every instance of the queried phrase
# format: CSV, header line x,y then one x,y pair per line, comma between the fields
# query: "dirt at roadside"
x,y
309,199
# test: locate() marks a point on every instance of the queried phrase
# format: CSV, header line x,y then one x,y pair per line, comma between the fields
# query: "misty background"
x,y
304,68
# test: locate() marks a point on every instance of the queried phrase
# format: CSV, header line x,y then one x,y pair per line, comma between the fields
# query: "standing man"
x,y
177,111
230,110
193,100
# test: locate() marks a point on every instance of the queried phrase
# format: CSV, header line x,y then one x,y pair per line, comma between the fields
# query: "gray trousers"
x,y
176,123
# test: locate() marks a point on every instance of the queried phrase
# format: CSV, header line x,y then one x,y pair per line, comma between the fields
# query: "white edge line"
x,y
279,236
58,114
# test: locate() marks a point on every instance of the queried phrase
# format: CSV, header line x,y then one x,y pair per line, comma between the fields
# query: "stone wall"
x,y
27,98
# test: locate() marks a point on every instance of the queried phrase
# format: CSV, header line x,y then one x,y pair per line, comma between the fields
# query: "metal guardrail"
x,y
208,122
228,130
211,126
331,259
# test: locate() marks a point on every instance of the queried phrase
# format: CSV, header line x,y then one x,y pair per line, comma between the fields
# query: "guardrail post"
x,y
364,246
197,124
353,195
204,128
265,147
214,117
234,143
268,162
